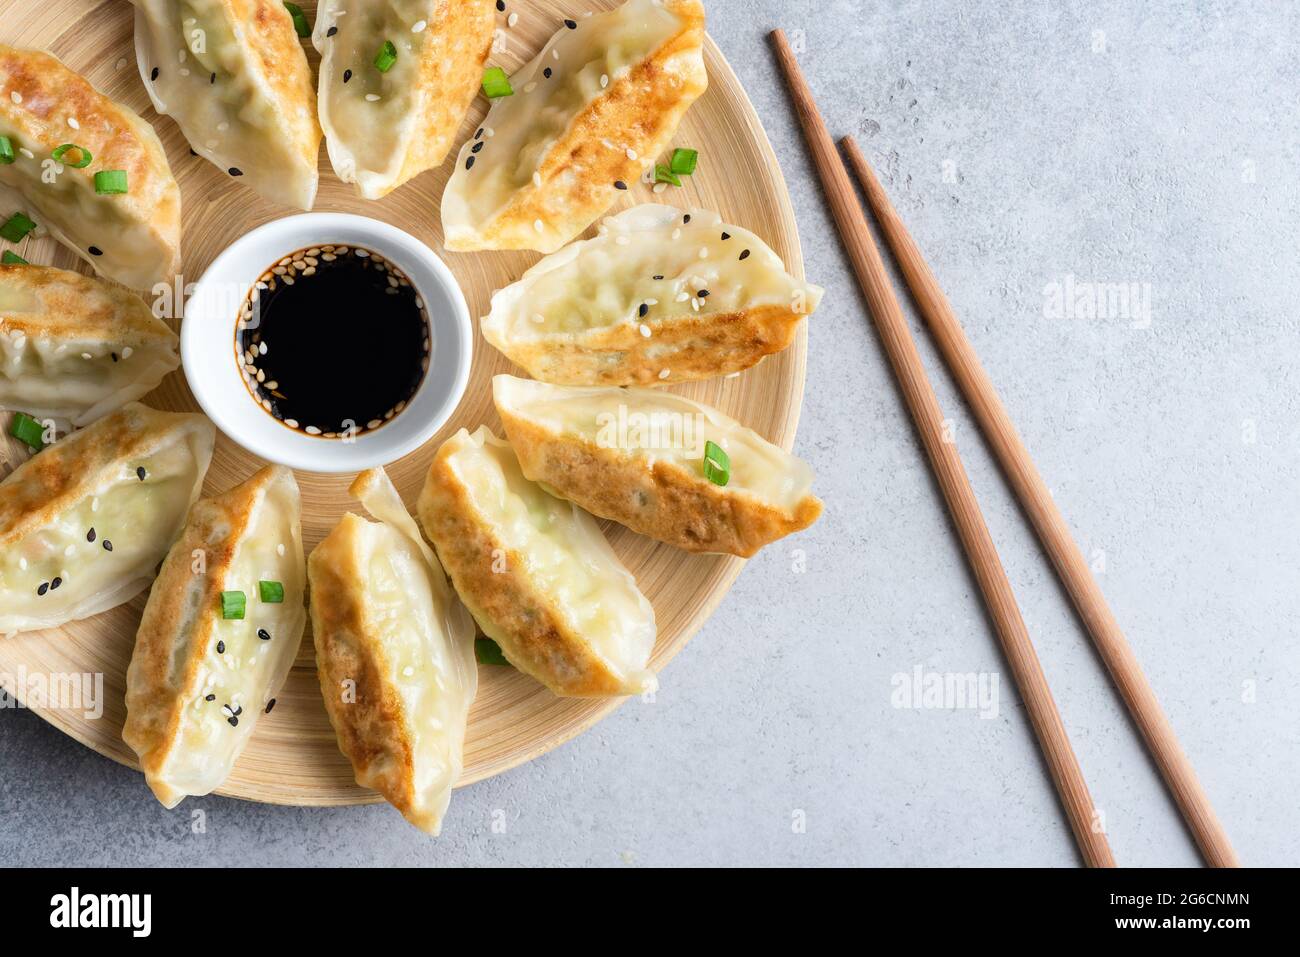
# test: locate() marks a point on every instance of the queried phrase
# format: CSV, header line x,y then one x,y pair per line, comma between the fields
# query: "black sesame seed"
x,y
331,31
643,310
477,146
686,218
263,634
703,294
96,251
238,711
212,79
269,705
479,133
501,5
108,546
347,75
235,171
469,163
114,355
547,73
658,278
210,697
55,583
140,473
192,153
90,535
153,74
221,647
44,587
745,254
726,236
233,721
619,184
571,24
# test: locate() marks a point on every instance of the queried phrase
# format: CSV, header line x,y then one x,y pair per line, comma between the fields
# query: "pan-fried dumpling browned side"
x,y
588,114
74,348
536,572
84,523
132,237
218,637
660,296
637,456
383,127
234,77
395,655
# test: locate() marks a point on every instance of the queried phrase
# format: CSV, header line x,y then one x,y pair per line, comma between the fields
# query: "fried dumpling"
x,y
234,77
536,572
133,237
394,653
384,126
84,523
218,637
660,296
637,456
588,114
74,348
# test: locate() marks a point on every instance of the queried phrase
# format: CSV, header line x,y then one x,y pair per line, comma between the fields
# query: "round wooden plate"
x,y
293,758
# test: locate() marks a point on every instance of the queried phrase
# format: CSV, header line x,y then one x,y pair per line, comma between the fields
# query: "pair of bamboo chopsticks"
x,y
1029,487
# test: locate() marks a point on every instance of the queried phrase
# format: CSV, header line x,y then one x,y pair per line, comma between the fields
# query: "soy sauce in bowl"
x,y
333,341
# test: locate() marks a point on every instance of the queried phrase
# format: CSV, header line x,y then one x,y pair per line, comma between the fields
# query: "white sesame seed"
x,y
69,550
418,26
22,563
683,296
652,302
94,504
645,330
537,225
677,234
555,53
732,375
660,187
631,153
537,179
26,152
663,373
512,19
86,355
538,317
704,252
372,97
16,96
121,64
363,253
72,121
312,430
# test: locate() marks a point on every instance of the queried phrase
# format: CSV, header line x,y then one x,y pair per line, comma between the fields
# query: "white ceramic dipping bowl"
x,y
212,363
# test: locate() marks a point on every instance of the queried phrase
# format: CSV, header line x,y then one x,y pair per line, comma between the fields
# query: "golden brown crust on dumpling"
x,y
158,678
664,502
48,96
273,40
689,348
71,303
371,730
45,486
532,633
640,111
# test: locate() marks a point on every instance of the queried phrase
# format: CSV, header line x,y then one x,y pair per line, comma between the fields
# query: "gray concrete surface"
x,y
1116,143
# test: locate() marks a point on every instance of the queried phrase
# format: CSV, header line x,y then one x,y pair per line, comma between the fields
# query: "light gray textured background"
x,y
1116,142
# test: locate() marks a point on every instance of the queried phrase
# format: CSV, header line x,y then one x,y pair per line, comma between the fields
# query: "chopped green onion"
x,y
683,162
664,175
83,155
232,605
6,150
717,464
12,259
488,652
272,592
496,84
26,429
16,227
109,182
300,24
386,57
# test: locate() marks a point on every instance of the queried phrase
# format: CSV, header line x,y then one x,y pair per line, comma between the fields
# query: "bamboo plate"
x,y
293,758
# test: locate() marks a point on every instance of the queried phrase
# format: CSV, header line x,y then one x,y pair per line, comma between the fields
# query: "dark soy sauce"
x,y
333,340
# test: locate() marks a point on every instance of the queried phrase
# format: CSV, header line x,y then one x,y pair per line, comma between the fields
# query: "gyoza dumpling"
x,y
637,456
74,348
234,77
659,296
536,572
588,114
383,127
85,522
134,236
218,636
394,653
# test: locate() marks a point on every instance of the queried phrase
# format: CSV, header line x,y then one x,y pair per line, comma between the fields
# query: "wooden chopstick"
x,y
948,470
1048,522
